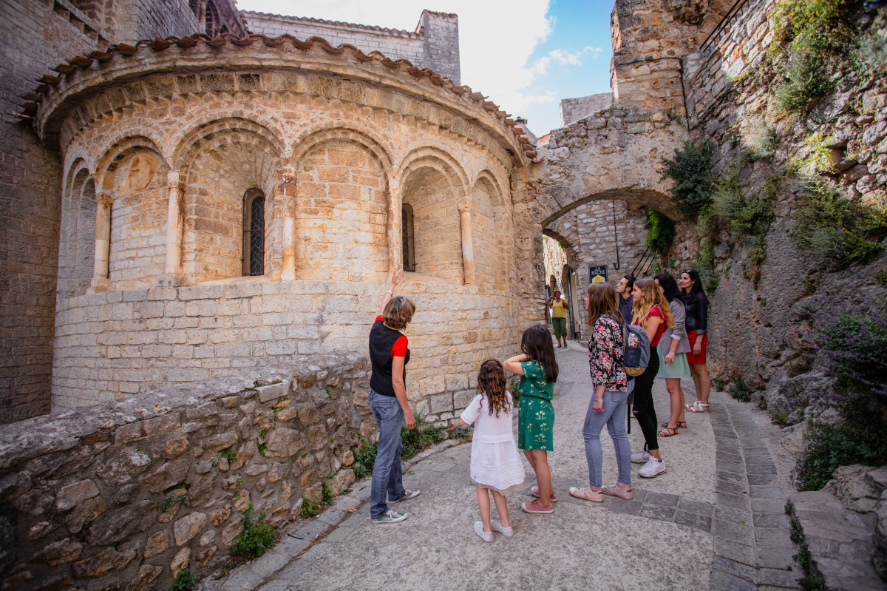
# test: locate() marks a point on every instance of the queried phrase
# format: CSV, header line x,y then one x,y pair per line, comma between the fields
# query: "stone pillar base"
x,y
99,285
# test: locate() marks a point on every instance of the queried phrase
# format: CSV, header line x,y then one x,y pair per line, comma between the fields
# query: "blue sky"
x,y
526,55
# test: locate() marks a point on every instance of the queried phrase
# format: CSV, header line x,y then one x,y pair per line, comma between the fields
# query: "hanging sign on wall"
x,y
597,273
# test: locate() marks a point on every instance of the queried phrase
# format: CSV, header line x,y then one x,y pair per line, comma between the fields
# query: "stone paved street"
x,y
715,520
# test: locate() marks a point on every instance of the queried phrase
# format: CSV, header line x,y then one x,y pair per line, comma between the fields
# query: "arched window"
x,y
254,233
213,21
409,249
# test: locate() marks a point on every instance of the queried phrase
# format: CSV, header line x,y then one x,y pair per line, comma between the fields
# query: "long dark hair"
x,y
491,384
697,283
536,343
670,288
602,300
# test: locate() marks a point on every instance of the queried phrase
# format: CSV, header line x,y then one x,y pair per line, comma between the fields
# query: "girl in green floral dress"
x,y
539,370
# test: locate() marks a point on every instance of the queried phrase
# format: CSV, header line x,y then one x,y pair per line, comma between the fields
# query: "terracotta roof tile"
x,y
80,62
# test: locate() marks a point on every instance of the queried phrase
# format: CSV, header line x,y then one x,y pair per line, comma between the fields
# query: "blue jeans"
x,y
387,475
614,417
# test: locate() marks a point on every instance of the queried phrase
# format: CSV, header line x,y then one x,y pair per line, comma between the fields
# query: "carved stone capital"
x,y
464,206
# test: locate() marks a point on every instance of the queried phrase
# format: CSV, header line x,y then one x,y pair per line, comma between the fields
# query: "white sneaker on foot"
x,y
390,517
652,468
640,458
479,530
505,531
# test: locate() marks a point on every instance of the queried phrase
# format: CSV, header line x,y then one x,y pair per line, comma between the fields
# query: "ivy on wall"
x,y
661,232
691,173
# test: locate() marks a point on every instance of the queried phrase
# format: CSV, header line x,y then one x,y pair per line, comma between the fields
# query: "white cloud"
x,y
565,57
496,37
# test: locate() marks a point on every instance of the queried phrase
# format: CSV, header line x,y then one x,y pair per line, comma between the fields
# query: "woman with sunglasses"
x,y
696,305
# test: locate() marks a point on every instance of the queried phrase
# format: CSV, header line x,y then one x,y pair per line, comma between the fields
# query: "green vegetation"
x,y
781,419
514,388
364,459
660,232
759,139
881,278
739,390
414,441
851,343
255,538
833,228
423,436
185,581
230,454
817,40
862,439
691,171
705,266
173,499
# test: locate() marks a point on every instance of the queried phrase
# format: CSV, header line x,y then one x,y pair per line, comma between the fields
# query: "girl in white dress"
x,y
495,461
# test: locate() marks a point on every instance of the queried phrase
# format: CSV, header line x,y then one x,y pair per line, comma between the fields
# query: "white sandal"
x,y
696,407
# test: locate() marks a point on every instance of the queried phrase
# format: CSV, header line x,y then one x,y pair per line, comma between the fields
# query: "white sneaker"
x,y
640,458
479,530
652,468
505,531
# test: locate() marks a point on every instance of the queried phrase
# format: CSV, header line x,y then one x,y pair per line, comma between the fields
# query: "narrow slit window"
x,y
409,252
257,237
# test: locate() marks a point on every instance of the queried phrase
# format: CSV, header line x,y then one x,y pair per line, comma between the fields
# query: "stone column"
x,y
467,244
289,227
100,282
175,223
395,230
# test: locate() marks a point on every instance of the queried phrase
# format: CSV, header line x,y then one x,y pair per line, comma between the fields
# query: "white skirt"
x,y
496,463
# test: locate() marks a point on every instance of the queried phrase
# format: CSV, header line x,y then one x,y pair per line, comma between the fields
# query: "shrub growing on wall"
x,y
691,172
817,40
851,340
835,229
660,232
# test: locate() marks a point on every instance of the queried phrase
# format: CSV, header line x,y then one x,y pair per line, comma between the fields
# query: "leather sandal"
x,y
667,432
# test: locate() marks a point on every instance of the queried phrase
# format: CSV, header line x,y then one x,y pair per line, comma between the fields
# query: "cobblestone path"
x,y
715,519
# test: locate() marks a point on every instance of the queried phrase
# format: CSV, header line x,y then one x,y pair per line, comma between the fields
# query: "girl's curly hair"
x,y
491,383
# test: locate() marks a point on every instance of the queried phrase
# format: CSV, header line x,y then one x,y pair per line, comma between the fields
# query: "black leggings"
x,y
643,400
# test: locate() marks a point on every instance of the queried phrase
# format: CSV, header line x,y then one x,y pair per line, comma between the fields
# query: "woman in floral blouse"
x,y
608,403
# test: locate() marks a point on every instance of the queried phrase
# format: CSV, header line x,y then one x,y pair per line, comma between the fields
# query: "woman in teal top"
x,y
538,370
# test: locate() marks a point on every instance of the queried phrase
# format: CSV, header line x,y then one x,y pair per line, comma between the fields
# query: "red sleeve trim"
x,y
378,319
399,349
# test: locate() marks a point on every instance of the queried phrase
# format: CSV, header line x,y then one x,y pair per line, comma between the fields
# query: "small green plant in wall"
x,y
185,581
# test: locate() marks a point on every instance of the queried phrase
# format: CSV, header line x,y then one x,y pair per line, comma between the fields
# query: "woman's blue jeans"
x,y
614,418
387,476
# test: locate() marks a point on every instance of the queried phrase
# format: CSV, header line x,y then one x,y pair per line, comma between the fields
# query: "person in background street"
x,y
535,430
559,307
697,333
623,288
496,466
389,356
673,349
606,355
651,312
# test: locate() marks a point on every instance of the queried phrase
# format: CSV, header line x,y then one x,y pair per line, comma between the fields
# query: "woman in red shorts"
x,y
697,333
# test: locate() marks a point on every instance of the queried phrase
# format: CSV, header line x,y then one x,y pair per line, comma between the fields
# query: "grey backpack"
x,y
637,350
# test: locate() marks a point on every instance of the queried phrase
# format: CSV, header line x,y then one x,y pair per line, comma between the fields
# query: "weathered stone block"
x,y
74,494
188,527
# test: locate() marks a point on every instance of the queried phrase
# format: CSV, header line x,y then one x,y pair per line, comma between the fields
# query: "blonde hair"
x,y
650,296
398,312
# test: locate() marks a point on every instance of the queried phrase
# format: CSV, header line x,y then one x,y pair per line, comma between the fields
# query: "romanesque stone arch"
x,y
342,204
182,143
346,130
109,160
218,165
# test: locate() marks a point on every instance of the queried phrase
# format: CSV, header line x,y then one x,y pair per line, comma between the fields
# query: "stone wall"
x,y
755,314
127,494
738,45
35,36
112,345
434,44
574,109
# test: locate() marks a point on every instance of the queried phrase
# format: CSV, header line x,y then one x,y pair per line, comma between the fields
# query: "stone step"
x,y
840,543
